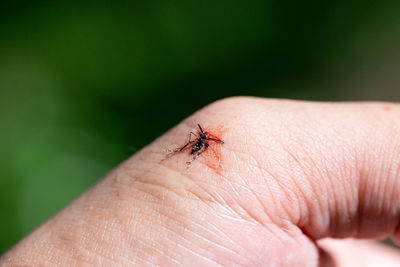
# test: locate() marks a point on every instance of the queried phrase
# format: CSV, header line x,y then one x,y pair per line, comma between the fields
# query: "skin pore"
x,y
294,173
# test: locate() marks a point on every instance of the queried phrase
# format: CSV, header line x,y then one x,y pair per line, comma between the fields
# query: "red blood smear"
x,y
212,157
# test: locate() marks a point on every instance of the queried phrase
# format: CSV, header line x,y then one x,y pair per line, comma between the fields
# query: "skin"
x,y
294,174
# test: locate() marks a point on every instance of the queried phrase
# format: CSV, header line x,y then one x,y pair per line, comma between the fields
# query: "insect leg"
x,y
188,143
190,135
200,128
185,146
216,140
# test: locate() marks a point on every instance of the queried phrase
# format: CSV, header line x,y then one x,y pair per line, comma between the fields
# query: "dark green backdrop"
x,y
84,85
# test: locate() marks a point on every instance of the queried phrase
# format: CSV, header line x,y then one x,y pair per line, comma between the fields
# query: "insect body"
x,y
200,143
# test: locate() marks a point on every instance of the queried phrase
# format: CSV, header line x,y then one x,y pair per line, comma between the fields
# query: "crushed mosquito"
x,y
198,145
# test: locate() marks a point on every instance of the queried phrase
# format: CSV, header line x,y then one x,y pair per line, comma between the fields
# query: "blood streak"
x,y
213,157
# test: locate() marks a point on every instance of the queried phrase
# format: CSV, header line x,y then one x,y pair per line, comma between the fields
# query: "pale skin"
x,y
294,173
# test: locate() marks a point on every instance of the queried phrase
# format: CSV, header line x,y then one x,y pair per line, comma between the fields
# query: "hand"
x,y
292,174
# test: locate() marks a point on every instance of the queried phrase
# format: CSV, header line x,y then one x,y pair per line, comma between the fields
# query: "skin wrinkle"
x,y
268,186
365,169
324,177
51,260
141,259
246,215
371,178
299,205
342,173
136,181
185,190
349,195
394,171
285,193
390,193
370,162
329,186
285,190
261,202
129,236
218,245
222,202
151,255
233,184
241,218
247,187
236,203
153,248
385,179
236,245
225,235
250,215
65,240
200,256
231,207
334,220
380,186
192,222
150,247
345,187
274,200
357,193
157,186
49,249
204,201
301,191
254,217
79,252
88,240
353,179
379,176
362,203
317,172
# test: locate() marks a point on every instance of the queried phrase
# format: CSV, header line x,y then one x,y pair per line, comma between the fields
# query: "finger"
x,y
352,252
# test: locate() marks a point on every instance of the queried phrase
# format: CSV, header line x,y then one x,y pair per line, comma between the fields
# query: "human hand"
x,y
292,174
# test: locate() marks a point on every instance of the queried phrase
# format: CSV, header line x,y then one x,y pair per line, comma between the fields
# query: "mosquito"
x,y
200,144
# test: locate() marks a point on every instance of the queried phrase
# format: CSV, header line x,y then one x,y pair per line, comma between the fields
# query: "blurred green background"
x,y
83,85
